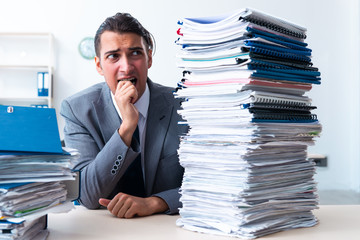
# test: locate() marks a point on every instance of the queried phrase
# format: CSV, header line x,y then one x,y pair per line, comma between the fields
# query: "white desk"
x,y
336,222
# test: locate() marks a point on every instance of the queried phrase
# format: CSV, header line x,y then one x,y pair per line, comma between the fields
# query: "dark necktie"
x,y
133,177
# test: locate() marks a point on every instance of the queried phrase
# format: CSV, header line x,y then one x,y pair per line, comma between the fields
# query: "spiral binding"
x,y
278,101
267,66
289,62
286,44
285,117
268,52
259,110
254,64
273,26
283,107
260,56
278,65
253,31
256,44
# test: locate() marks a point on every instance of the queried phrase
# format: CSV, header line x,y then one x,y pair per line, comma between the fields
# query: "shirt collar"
x,y
142,104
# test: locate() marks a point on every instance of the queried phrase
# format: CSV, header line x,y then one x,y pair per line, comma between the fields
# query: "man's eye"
x,y
135,53
113,56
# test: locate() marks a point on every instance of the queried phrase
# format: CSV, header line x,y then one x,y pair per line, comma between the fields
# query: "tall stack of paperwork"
x,y
34,169
245,79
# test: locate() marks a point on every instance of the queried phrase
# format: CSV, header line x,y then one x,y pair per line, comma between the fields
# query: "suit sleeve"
x,y
172,198
101,167
169,173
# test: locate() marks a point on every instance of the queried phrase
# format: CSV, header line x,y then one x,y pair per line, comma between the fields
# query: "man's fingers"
x,y
122,205
128,90
117,208
125,206
122,85
104,202
131,211
114,202
119,205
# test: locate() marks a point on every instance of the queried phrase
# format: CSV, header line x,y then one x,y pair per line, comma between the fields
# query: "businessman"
x,y
126,128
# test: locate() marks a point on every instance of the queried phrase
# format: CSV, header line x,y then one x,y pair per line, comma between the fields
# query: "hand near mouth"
x,y
125,96
132,80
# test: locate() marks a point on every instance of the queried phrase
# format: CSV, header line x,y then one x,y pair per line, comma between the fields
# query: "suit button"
x,y
113,171
119,157
117,162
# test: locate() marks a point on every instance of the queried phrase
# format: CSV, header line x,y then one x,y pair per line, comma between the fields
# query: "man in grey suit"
x,y
101,123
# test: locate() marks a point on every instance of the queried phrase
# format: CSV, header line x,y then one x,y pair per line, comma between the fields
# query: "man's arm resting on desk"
x,y
127,206
97,159
172,199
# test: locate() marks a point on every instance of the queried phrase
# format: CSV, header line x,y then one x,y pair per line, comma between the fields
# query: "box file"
x,y
28,129
43,84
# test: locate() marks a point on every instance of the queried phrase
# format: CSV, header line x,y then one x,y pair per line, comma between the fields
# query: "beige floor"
x,y
338,197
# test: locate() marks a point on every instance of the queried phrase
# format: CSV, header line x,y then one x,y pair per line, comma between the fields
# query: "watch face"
x,y
86,48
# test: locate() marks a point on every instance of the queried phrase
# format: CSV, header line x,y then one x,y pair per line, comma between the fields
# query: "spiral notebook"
x,y
280,108
250,40
248,105
244,17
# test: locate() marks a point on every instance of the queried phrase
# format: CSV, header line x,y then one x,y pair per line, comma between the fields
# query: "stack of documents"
x,y
32,174
245,79
243,45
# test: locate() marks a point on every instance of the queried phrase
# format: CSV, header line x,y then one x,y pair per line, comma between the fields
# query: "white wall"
x,y
333,34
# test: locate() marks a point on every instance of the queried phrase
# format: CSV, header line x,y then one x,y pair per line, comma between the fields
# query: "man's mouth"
x,y
132,80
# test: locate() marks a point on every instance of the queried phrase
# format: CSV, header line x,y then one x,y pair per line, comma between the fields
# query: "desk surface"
x,y
336,222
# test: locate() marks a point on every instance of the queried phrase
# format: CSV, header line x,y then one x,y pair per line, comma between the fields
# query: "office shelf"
x,y
22,56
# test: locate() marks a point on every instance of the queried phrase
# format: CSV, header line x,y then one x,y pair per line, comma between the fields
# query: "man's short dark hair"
x,y
122,23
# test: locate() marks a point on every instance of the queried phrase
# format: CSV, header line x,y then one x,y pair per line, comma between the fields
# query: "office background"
x,y
333,34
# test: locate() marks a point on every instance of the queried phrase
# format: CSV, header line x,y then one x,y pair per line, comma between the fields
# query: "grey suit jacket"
x,y
91,126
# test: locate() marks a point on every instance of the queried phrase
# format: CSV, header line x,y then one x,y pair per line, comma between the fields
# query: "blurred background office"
x,y
333,35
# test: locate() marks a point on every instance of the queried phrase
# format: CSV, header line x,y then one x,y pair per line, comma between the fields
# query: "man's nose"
x,y
125,65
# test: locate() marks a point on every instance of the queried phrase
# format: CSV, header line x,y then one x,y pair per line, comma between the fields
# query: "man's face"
x,y
123,57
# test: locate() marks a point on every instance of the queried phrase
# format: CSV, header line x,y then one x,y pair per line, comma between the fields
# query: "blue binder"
x,y
28,129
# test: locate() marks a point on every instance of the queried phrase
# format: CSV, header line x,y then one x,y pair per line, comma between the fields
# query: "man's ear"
x,y
149,58
98,66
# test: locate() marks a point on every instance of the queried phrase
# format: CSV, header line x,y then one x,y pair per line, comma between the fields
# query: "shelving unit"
x,y
22,56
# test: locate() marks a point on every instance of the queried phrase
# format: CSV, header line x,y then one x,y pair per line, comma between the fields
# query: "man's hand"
x,y
127,206
125,96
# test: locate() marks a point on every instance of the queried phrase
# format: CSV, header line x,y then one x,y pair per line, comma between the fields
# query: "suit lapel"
x,y
158,120
106,114
157,125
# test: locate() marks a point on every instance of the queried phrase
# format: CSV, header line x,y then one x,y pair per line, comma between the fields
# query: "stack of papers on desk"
x,y
31,229
36,167
244,87
245,44
32,172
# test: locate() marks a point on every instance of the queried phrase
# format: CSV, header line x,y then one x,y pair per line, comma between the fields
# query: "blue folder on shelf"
x,y
28,129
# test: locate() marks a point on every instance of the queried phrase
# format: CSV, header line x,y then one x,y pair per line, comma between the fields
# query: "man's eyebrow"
x,y
118,50
136,48
112,51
